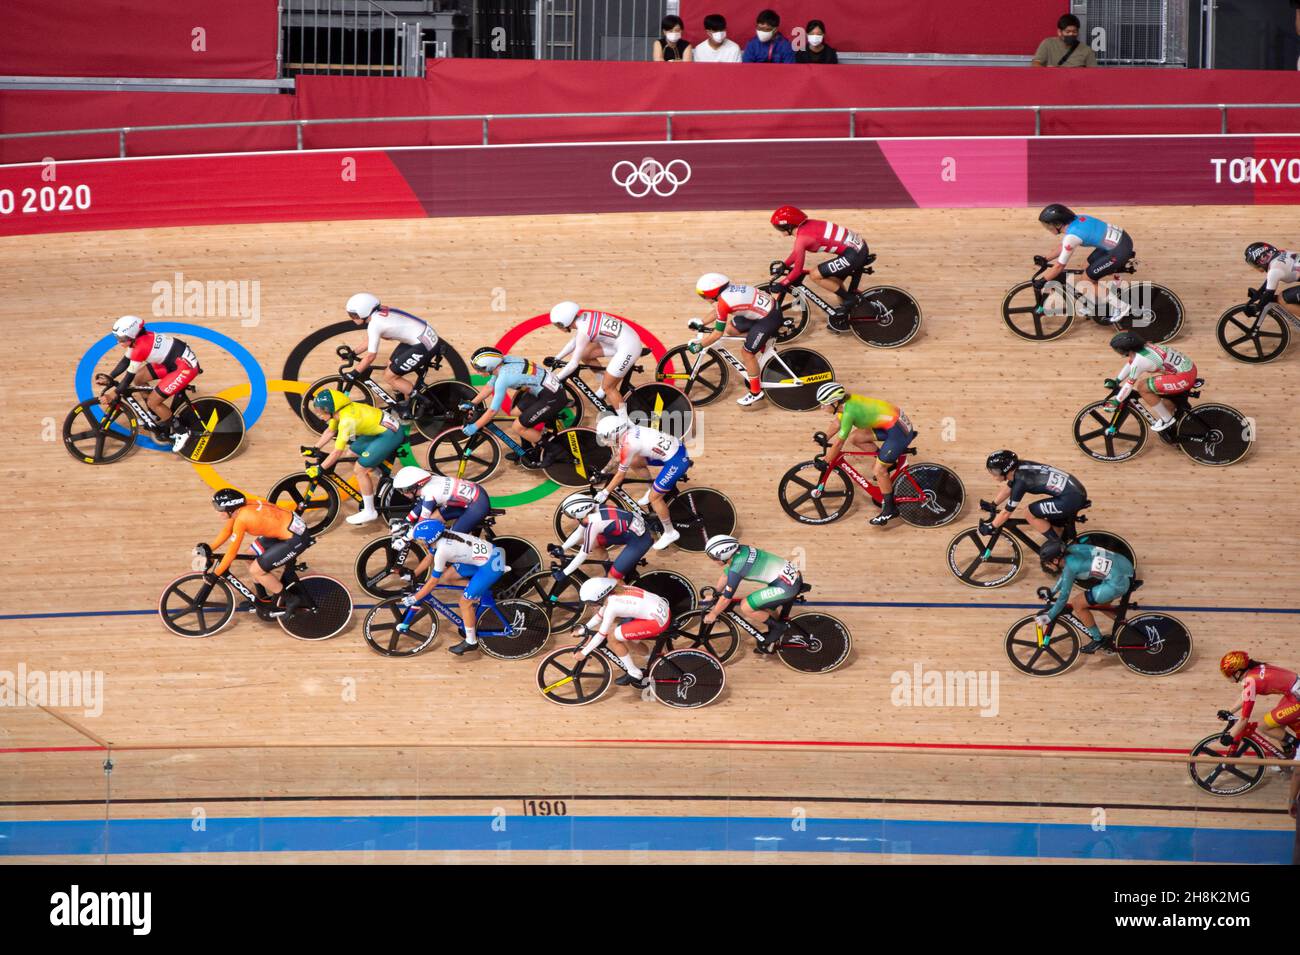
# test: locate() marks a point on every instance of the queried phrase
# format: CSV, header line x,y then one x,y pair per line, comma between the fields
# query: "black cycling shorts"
x,y
1103,262
276,553
757,334
844,265
1059,509
1292,295
536,410
408,358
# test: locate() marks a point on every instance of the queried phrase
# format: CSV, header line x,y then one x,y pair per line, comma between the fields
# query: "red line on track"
x,y
55,749
974,746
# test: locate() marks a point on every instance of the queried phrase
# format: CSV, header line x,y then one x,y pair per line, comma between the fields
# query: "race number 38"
x,y
44,199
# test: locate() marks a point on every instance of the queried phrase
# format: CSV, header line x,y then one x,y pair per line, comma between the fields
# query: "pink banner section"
x,y
960,173
894,26
647,177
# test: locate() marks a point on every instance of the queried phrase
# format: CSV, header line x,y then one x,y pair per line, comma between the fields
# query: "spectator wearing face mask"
x,y
768,45
670,47
817,49
717,48
1064,49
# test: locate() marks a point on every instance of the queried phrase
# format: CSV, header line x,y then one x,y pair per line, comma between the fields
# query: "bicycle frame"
x,y
765,357
872,489
404,455
487,602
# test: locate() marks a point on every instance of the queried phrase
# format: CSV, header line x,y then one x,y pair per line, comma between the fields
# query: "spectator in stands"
x,y
769,45
717,48
817,50
670,46
1065,49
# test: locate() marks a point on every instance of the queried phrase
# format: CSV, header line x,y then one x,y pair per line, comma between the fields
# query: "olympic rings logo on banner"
x,y
651,175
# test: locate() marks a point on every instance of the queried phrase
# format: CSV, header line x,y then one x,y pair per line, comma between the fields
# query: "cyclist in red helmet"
x,y
849,256
1262,679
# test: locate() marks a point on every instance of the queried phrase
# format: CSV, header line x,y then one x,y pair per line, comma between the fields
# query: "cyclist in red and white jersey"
x,y
1153,371
154,355
596,334
418,343
622,613
745,312
1262,679
1280,266
849,257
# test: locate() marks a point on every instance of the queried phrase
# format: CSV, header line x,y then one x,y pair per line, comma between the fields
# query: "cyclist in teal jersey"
x,y
538,398
1112,248
1078,562
779,577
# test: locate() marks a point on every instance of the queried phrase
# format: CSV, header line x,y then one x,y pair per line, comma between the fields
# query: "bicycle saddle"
x,y
1087,503
1130,265
804,587
644,351
495,511
1198,383
1135,586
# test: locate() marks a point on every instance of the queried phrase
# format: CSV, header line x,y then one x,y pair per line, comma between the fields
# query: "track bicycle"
x,y
508,629
385,566
812,642
697,513
430,407
93,435
1212,434
883,316
653,404
927,495
1150,644
1234,779
318,500
200,605
789,377
1045,314
978,562
1256,339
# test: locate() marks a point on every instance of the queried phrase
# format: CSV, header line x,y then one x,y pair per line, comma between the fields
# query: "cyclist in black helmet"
x,y
1280,266
1065,493
1112,248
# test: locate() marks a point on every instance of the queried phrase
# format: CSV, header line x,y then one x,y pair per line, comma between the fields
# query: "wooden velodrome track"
x,y
84,539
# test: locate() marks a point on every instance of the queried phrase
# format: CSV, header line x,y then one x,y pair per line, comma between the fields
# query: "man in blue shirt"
x,y
770,45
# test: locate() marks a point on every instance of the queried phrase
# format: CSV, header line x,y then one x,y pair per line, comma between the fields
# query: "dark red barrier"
x,y
895,26
168,38
26,110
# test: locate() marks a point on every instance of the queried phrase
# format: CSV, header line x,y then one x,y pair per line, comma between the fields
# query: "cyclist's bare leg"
x,y
832,289
395,382
609,386
1151,398
756,617
269,579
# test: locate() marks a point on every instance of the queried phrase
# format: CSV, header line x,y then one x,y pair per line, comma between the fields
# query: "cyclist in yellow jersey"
x,y
863,422
369,433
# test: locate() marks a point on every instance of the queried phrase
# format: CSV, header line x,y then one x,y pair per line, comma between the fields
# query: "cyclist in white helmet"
x,y
780,581
638,447
463,505
154,355
744,311
418,343
622,613
596,334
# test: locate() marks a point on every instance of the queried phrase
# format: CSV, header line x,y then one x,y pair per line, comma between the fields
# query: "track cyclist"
x,y
1016,478
280,536
600,527
596,334
1084,562
1112,248
418,344
743,311
154,355
369,433
462,504
463,559
849,257
1261,679
863,422
622,613
637,446
1153,371
780,581
1280,266
538,399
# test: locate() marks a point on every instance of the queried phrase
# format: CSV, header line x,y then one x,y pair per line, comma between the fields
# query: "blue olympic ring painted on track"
x,y
85,380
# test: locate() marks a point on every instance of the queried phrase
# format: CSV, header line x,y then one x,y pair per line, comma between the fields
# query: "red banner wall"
x,y
140,38
895,26
672,177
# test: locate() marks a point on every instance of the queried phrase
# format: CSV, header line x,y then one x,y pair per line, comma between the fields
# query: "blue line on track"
x,y
913,604
651,834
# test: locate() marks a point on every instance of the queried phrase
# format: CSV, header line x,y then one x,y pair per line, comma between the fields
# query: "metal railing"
x,y
347,38
851,113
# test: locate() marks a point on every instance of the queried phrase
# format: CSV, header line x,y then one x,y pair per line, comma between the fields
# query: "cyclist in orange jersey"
x,y
281,535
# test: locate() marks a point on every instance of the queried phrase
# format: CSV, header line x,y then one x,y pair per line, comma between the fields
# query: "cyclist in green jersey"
x,y
1077,562
779,577
863,422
